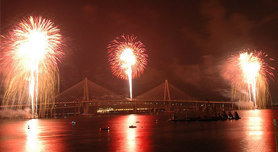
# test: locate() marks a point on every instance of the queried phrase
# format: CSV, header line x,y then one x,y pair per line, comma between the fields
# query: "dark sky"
x,y
187,41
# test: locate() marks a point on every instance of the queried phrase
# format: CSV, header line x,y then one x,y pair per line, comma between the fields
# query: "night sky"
x,y
187,41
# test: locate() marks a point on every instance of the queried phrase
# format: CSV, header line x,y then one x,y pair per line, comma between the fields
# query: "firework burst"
x,y
249,75
30,53
127,58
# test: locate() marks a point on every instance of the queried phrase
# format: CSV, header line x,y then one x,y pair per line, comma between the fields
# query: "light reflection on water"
x,y
32,136
255,127
131,133
131,139
259,136
254,132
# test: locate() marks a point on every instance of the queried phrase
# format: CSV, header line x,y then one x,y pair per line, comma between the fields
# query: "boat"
x,y
104,128
223,116
230,115
73,122
132,126
235,116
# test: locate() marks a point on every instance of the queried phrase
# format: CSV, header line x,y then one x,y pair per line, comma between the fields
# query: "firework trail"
x,y
30,53
127,58
249,75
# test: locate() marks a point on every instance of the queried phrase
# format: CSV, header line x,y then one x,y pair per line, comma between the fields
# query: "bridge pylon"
x,y
86,97
167,96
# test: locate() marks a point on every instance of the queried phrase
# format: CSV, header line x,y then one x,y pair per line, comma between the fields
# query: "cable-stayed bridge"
x,y
87,97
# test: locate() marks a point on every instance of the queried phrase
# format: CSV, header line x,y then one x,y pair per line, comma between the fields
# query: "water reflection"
x,y
255,127
132,139
45,135
131,133
32,131
258,131
254,132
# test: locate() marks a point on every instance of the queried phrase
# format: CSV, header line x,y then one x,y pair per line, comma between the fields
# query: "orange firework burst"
x,y
127,58
30,55
249,75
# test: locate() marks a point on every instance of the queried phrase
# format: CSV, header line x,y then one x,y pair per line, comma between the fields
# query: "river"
x,y
254,132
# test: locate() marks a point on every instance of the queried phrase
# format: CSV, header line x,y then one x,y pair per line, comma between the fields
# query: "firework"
x,y
249,75
127,58
30,53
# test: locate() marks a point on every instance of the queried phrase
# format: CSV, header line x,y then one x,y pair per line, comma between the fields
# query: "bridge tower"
x,y
86,97
167,96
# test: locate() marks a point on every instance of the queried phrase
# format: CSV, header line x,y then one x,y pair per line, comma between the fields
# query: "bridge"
x,y
87,97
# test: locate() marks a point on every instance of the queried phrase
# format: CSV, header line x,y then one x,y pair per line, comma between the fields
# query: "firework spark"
x,y
249,75
127,58
30,54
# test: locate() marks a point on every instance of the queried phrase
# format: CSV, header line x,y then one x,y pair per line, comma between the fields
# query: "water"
x,y
254,132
